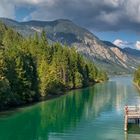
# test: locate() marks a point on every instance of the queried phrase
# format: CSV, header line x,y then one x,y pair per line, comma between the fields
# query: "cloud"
x,y
104,15
138,45
123,44
118,42
7,9
108,15
32,2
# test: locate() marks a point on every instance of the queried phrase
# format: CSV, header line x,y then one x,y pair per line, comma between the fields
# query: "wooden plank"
x,y
131,112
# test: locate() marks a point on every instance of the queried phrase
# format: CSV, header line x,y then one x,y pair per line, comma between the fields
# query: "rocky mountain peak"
x,y
103,53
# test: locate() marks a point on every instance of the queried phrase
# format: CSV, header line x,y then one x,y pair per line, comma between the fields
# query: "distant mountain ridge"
x,y
133,52
103,53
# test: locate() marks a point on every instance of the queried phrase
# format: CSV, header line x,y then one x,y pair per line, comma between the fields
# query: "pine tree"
x,y
31,68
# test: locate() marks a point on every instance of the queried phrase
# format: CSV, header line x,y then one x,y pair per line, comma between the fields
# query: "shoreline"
x,y
47,98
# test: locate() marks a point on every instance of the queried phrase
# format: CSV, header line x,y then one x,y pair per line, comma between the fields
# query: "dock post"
x,y
125,122
126,118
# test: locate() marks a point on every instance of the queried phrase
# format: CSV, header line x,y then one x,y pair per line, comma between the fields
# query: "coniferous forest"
x,y
137,77
31,68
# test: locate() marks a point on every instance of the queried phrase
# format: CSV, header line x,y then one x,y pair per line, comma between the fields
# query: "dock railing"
x,y
131,112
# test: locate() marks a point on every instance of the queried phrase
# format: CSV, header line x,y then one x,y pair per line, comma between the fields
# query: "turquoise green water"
x,y
94,113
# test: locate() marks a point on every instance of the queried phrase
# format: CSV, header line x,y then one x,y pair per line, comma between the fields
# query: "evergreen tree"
x,y
137,77
30,68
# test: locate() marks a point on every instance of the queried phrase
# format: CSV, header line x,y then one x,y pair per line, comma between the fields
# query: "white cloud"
x,y
138,45
118,42
121,43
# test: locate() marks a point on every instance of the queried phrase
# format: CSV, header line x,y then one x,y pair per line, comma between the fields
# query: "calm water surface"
x,y
94,113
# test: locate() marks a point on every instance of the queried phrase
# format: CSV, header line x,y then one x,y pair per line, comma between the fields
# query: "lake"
x,y
94,113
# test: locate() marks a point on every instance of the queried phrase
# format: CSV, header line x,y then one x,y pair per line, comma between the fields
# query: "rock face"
x,y
105,54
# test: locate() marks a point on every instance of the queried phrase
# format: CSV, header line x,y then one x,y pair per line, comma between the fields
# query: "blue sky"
x,y
117,21
112,35
129,37
22,12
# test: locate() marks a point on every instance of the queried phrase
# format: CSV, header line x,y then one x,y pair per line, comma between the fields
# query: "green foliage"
x,y
55,87
2,31
31,68
5,91
137,77
10,38
78,79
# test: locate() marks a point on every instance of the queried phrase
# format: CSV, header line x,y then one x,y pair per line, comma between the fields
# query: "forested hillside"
x,y
104,54
137,77
30,68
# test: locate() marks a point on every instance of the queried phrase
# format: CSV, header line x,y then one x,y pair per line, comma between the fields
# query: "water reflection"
x,y
81,115
133,132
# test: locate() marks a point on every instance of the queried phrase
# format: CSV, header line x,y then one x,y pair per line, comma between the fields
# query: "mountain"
x,y
105,54
133,52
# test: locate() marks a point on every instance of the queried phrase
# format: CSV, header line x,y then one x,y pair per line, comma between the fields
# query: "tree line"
x,y
31,68
137,77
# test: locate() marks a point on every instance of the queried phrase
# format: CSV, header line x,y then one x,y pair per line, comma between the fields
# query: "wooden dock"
x,y
131,113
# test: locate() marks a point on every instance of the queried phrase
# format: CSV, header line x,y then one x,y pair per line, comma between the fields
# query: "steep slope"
x,y
103,53
126,56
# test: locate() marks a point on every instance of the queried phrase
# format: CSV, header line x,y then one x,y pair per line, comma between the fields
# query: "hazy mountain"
x,y
103,53
133,52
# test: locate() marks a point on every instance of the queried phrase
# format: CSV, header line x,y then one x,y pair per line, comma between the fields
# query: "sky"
x,y
117,21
